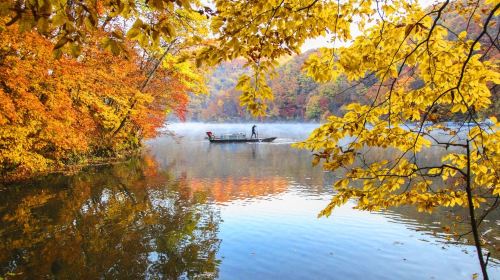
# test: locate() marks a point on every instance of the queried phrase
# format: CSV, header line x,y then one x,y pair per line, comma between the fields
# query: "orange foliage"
x,y
55,112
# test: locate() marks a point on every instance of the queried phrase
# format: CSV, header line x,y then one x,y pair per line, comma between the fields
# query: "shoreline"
x,y
69,169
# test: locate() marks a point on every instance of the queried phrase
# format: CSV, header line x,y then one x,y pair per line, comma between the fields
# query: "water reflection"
x,y
228,189
127,221
445,224
191,209
196,158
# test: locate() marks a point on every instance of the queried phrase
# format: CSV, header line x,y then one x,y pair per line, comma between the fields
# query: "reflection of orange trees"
x,y
150,166
114,223
226,189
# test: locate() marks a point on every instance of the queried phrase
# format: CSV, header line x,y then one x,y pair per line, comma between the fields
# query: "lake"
x,y
188,209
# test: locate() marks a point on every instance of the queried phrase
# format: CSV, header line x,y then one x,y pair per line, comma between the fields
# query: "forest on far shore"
x,y
297,97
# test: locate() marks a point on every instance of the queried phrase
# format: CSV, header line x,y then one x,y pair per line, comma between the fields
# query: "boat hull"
x,y
270,139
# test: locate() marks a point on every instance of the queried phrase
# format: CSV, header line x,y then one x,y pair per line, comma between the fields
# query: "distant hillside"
x,y
297,97
222,103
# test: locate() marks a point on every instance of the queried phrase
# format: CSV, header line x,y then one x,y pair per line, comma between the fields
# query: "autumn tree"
x,y
70,23
60,111
455,68
426,71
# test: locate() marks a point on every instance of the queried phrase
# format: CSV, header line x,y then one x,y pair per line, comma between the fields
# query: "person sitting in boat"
x,y
254,131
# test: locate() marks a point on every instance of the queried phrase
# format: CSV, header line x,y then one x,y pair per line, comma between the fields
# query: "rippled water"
x,y
191,209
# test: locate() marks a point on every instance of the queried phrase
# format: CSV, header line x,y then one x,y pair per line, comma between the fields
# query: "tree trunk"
x,y
475,232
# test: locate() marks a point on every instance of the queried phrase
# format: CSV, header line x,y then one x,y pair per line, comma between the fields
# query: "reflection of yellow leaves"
x,y
22,214
315,160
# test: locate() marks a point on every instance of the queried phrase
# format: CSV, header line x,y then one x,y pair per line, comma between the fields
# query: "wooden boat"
x,y
235,138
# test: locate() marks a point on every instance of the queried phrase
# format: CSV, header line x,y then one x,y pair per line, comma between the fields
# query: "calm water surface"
x,y
193,210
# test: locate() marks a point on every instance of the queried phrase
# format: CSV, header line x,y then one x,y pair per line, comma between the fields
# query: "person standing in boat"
x,y
254,128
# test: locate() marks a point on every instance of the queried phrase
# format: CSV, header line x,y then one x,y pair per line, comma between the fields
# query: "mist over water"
x,y
284,131
193,209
